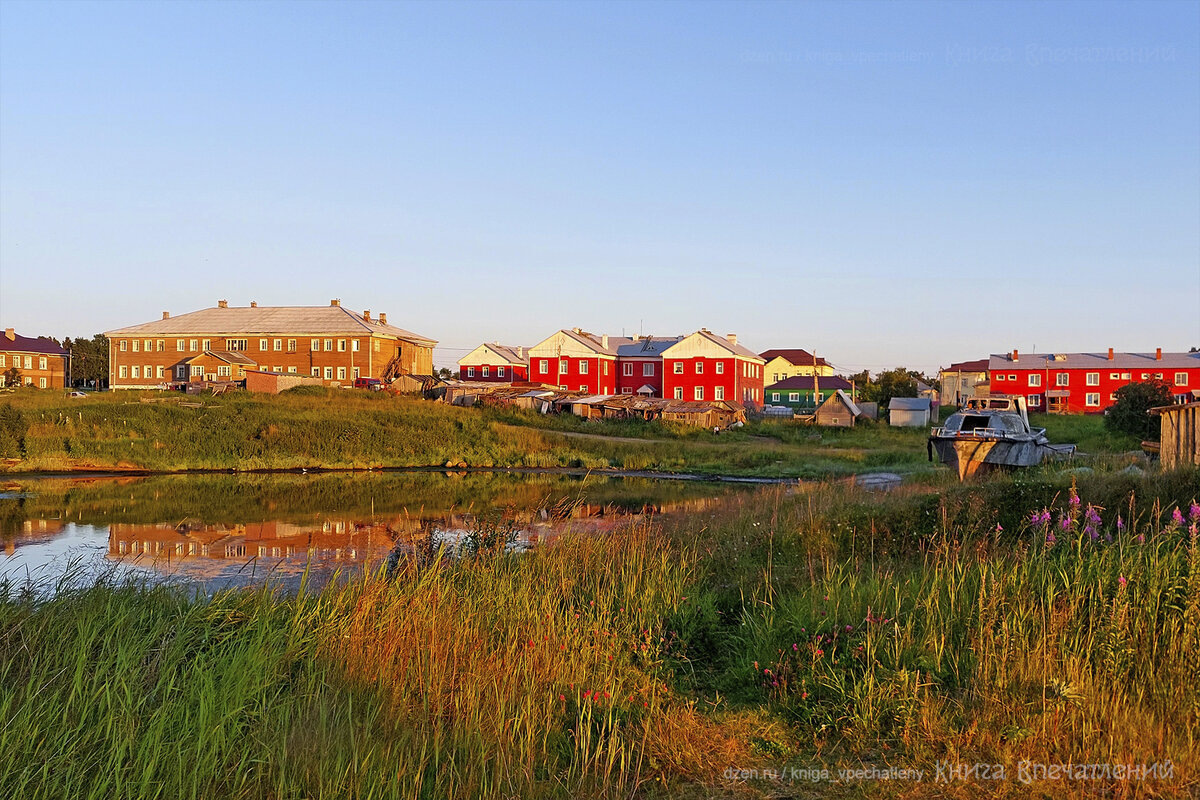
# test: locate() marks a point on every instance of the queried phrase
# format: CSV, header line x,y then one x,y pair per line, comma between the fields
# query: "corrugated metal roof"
x,y
796,356
645,346
909,404
805,382
978,365
267,320
28,344
1140,362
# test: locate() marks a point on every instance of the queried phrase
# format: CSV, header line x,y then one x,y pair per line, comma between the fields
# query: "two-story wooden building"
x,y
1079,383
494,362
39,362
577,361
704,366
640,364
784,363
327,342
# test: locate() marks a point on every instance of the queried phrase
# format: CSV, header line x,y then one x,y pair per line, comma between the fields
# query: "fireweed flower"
x,y
1074,499
1121,581
1194,511
1120,524
1045,516
1177,517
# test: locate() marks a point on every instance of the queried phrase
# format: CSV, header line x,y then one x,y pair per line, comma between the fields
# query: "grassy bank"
x,y
341,429
1020,619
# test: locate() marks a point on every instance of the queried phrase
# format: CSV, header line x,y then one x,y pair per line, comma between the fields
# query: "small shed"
x,y
269,382
1180,445
839,411
909,412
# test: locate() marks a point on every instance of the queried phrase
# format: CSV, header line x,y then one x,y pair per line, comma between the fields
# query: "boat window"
x,y
972,421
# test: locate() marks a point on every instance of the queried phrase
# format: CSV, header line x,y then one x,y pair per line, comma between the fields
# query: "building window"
x,y
1093,399
192,344
793,397
499,372
1114,376
2,360
470,372
292,369
159,372
137,371
41,383
314,345
291,346
1061,378
160,345
487,373
583,388
316,372
720,367
41,362
354,345
180,345
627,369
236,344
699,392
197,370
1158,376
605,367
1125,376
123,371
148,346
223,371
206,344
699,367
776,378
341,373
1093,379
1035,400
1181,379
720,392
29,365
648,370
678,367
678,392
341,345
562,366
627,390
1145,376
136,345
543,366
1113,397
262,344
1035,379
583,367
181,372
329,373
328,345
123,344
357,373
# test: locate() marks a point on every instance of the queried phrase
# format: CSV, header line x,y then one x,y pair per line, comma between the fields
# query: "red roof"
x,y
825,383
28,344
978,365
796,357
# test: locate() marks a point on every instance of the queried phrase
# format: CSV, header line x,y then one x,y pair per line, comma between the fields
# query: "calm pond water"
x,y
230,530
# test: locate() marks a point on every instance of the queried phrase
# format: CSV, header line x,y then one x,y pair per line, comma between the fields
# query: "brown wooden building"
x,y
1180,444
38,362
327,342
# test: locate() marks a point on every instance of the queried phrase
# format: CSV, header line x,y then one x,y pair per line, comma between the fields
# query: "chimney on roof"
x,y
254,304
166,315
604,341
222,304
1110,354
1016,356
10,334
1158,354
520,351
732,337
383,319
367,315
335,302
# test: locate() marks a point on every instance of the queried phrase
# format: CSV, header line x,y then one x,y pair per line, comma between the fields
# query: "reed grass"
x,y
1038,618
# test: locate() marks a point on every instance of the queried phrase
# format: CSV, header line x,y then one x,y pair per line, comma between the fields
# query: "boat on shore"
x,y
989,433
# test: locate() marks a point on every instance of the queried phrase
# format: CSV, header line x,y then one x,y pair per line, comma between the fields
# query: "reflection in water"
x,y
234,530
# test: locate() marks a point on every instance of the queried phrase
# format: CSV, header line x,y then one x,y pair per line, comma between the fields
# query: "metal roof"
x,y
29,344
796,356
644,346
247,320
909,404
805,383
1139,362
978,365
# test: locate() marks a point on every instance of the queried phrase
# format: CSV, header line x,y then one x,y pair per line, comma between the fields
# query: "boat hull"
x,y
970,456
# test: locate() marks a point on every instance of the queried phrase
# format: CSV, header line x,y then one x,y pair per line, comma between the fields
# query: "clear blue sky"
x,y
888,183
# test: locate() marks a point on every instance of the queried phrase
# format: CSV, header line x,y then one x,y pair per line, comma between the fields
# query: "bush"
x,y
1128,413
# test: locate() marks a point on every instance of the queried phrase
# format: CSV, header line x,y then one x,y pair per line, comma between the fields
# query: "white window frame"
x,y
329,373
341,345
648,369
699,367
136,345
262,344
180,346
197,371
1092,379
470,372
1092,399
329,345
1181,379
698,393
583,366
627,369
499,372
341,373
678,392
122,371
1114,376
793,397
314,345
316,372
563,366
123,345
1062,379
1035,379
135,371
354,345
678,367
720,368
1035,401
720,393
224,371
485,371
543,366
41,362
41,383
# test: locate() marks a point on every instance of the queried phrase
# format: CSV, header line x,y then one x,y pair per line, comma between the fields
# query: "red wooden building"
x,y
1081,383
494,362
705,366
577,361
640,364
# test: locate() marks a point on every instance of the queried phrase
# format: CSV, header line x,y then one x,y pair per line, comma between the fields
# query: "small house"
x,y
838,411
803,394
